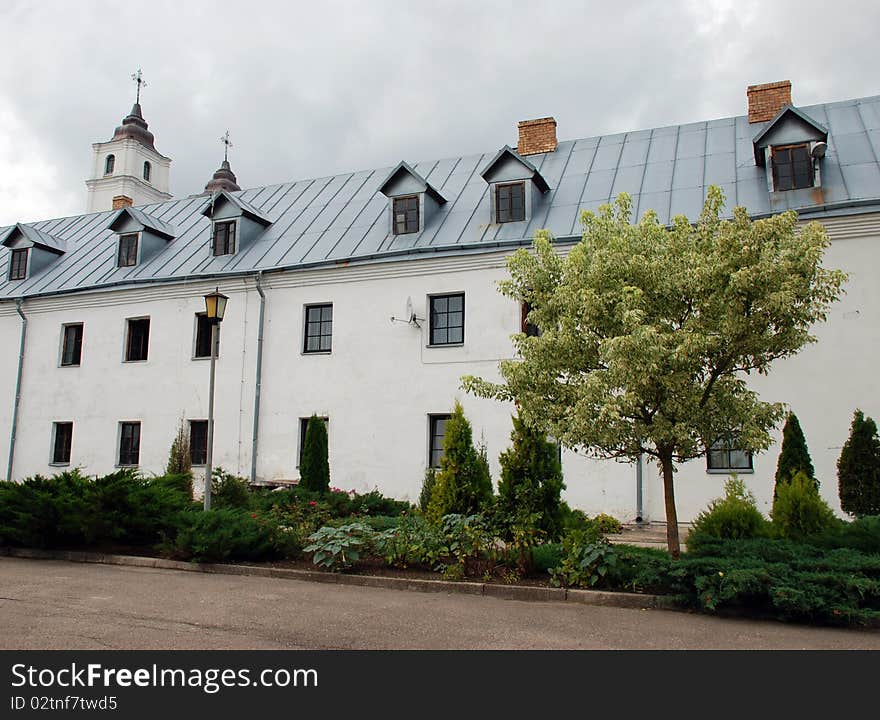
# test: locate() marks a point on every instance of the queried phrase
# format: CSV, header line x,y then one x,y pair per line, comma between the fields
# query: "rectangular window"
x,y
436,433
725,455
224,238
18,264
203,336
510,202
303,424
71,345
319,328
128,251
406,215
792,167
447,319
137,340
129,443
62,442
198,441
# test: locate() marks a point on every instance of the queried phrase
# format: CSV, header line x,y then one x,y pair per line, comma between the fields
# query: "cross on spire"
x,y
138,77
227,143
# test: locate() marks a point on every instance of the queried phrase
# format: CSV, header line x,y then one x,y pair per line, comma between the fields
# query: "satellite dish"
x,y
819,149
410,315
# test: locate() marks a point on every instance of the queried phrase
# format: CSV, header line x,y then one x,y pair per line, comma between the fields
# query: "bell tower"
x,y
127,169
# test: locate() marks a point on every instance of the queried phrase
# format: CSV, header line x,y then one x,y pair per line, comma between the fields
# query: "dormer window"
x,y
406,215
18,264
224,238
128,250
790,148
510,202
109,164
792,167
147,171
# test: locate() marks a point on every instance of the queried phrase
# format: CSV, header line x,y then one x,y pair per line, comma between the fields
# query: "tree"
x,y
180,457
314,465
858,468
648,333
463,483
794,456
531,478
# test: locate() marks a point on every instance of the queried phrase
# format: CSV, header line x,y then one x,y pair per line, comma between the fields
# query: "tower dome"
x,y
223,179
135,127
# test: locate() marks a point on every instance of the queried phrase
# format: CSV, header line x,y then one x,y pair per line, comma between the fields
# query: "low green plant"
x,y
607,524
585,561
427,488
731,517
546,557
229,491
468,537
339,548
798,510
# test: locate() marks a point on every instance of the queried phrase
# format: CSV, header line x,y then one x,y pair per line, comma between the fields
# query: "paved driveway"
x,y
61,605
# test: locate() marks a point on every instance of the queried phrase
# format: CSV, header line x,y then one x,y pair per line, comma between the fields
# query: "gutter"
x,y
640,510
258,383
24,322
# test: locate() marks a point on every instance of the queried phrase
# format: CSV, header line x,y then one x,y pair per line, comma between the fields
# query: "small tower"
x,y
224,178
127,169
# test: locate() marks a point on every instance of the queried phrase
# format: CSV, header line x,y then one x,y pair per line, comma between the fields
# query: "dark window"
x,y
138,340
406,215
510,202
128,251
62,443
198,441
437,431
18,264
319,328
525,326
109,164
792,167
71,350
725,455
447,319
147,171
203,336
303,424
224,238
129,443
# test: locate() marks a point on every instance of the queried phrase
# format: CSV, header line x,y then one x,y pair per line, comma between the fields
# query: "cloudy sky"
x,y
309,89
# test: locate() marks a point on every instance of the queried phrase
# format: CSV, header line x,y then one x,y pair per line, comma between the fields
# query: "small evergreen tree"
x,y
858,468
794,456
427,489
180,457
463,483
531,478
314,465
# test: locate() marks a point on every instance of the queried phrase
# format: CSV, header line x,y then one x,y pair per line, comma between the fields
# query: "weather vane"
x,y
227,144
138,77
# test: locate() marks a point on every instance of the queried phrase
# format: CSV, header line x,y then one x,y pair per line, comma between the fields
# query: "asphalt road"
x,y
47,604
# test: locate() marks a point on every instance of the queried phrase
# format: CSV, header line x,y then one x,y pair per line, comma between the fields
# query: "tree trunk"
x,y
669,497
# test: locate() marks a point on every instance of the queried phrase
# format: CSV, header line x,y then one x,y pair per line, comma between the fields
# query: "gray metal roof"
x,y
163,229
344,217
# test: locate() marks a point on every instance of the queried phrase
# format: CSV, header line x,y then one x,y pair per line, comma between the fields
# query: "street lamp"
x,y
215,308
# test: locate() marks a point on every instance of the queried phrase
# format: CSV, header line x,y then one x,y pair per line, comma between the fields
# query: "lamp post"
x,y
215,308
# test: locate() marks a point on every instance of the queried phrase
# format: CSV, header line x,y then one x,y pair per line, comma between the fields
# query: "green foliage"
x,y
463,484
858,468
798,510
339,548
607,524
862,534
585,561
314,465
467,537
649,332
734,516
794,456
179,457
229,491
546,557
531,481
413,542
427,489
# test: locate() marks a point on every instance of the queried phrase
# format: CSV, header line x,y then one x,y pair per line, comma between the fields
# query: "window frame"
x,y
137,250
127,346
432,299
230,241
790,148
148,171
109,164
320,322
728,446
499,187
198,322
62,361
303,424
16,267
407,217
56,462
192,447
119,443
433,419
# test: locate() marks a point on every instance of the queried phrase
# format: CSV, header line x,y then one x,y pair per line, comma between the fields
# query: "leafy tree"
x,y
314,465
649,333
463,484
858,468
531,479
180,458
794,456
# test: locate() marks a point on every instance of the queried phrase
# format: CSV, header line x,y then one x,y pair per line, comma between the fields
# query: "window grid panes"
x,y
447,319
137,343
18,264
437,432
129,443
62,443
319,328
792,167
406,215
71,351
128,251
224,238
203,336
725,455
510,202
198,441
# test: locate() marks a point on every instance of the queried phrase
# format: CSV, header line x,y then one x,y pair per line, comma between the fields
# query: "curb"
x,y
524,593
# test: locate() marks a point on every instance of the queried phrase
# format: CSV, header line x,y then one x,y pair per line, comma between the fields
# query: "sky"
x,y
310,89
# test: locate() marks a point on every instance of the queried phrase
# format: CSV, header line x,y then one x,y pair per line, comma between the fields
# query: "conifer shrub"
x,y
180,457
228,490
794,456
427,489
731,517
798,510
314,465
858,468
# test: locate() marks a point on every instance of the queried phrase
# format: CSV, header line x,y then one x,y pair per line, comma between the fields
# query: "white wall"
x,y
127,177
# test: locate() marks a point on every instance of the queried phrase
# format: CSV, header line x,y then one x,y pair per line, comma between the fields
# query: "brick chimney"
x,y
767,100
121,201
537,136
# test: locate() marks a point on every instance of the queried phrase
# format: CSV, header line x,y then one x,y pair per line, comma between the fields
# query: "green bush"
x,y
607,524
585,561
798,510
339,548
229,491
413,542
546,557
180,457
862,534
794,457
314,465
858,468
427,489
734,516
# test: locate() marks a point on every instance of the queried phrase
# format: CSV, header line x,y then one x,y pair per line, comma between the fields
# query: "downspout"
x,y
24,322
640,515
259,379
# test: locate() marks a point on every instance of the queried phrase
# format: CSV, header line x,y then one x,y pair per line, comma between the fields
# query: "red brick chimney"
x,y
768,99
537,136
121,201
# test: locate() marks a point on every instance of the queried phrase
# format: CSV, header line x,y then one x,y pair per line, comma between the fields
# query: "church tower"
x,y
127,169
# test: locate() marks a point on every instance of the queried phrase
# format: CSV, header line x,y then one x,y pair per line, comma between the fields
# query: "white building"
x,y
103,350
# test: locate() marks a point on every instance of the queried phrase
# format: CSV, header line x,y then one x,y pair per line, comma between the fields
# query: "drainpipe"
x,y
259,379
640,515
17,388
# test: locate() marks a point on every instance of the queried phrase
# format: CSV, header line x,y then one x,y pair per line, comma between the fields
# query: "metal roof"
x,y
163,229
344,217
34,235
